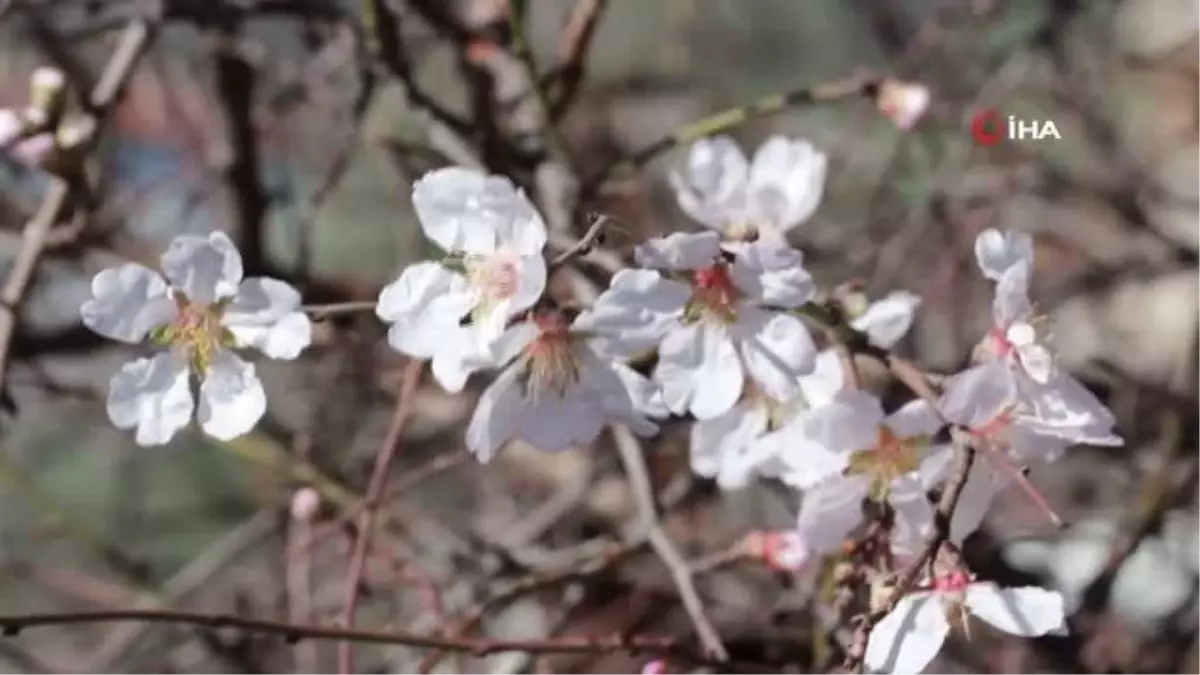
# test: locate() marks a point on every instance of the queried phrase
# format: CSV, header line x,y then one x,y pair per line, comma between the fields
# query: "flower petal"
x,y
265,315
977,396
998,252
720,446
466,210
699,371
679,251
802,461
777,349
1064,408
646,397
773,274
825,381
849,422
425,305
634,313
830,511
787,182
913,517
232,399
975,502
153,396
1011,303
206,269
887,320
908,638
1027,611
497,416
711,187
915,418
127,303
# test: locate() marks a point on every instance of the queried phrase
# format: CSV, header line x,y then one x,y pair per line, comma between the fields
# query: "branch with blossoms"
x,y
720,327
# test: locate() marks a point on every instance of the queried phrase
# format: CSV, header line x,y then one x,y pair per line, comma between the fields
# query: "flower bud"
x,y
306,502
47,91
903,102
655,667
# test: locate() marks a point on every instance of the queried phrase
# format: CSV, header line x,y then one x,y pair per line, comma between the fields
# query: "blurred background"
x,y
89,520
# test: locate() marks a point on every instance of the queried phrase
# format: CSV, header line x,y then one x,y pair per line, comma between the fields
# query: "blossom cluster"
x,y
707,325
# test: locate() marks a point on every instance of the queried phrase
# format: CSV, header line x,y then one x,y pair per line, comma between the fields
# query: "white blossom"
x,y
765,437
904,103
560,389
1017,423
1013,338
997,252
452,312
868,455
710,322
912,634
31,150
779,189
202,310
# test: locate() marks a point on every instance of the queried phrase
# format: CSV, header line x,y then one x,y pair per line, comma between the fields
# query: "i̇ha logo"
x,y
989,127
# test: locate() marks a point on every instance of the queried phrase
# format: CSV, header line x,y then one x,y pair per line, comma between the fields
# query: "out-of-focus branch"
x,y
383,462
56,200
572,54
858,85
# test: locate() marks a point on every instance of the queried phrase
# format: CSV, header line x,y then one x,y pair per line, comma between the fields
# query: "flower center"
x,y
891,458
740,230
495,278
196,333
953,582
714,295
552,359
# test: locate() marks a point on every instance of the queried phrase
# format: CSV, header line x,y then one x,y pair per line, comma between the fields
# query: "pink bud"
x,y
305,504
903,102
655,667
783,550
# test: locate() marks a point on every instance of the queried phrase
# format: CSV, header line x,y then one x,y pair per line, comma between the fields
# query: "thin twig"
x,y
12,624
336,308
572,54
383,462
56,200
643,493
584,245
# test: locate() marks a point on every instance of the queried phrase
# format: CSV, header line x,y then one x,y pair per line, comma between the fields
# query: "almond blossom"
x,y
763,198
908,638
712,321
452,311
997,252
1017,423
560,388
202,311
763,436
1013,337
869,455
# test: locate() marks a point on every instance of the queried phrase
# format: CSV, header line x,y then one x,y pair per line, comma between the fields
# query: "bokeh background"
x,y
89,520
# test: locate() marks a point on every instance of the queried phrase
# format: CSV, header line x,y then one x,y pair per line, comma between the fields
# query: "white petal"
x,y
206,269
915,418
996,253
887,320
465,210
264,314
1037,362
459,351
712,185
679,251
645,395
787,182
975,502
1064,408
425,305
699,371
232,399
634,313
936,465
1011,303
772,274
830,511
531,283
825,381
1027,611
153,396
127,303
913,516
977,396
908,638
849,422
720,446
551,422
804,462
777,350
497,416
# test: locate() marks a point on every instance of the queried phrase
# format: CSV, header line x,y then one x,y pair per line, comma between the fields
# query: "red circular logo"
x,y
987,127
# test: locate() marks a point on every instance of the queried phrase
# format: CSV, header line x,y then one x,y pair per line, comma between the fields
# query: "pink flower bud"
x,y
655,667
903,102
305,504
783,550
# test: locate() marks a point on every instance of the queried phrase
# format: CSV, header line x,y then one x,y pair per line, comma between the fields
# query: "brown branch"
x,y
572,53
13,624
583,246
366,521
56,201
